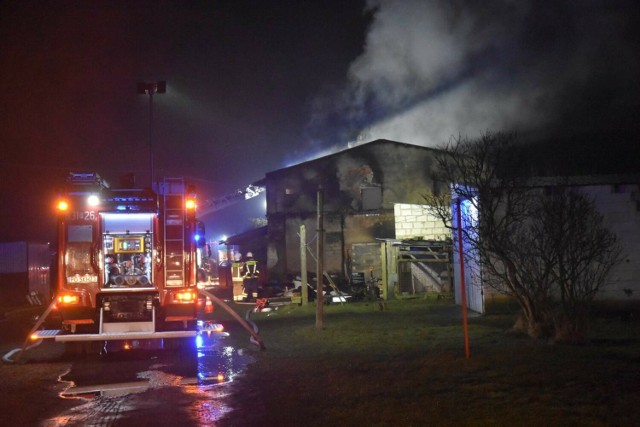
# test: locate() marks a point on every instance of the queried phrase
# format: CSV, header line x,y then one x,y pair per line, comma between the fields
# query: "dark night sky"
x,y
242,76
254,86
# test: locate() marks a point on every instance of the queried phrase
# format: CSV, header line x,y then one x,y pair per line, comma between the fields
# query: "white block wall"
x,y
414,222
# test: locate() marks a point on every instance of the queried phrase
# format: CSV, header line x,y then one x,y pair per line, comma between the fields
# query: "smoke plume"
x,y
432,69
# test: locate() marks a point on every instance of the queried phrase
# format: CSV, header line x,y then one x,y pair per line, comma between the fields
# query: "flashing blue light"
x,y
121,208
197,237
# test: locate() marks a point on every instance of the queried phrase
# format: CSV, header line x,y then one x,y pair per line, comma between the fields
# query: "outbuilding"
x,y
372,193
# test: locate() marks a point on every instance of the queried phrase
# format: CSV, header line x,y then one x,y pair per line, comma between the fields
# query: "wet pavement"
x,y
142,387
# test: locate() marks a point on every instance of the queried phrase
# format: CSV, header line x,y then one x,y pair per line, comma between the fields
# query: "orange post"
x,y
463,294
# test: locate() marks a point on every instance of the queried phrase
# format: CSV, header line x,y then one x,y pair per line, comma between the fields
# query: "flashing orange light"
x,y
62,205
190,204
220,378
68,299
186,296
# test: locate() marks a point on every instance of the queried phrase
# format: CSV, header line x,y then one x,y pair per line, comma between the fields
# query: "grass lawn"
x,y
405,365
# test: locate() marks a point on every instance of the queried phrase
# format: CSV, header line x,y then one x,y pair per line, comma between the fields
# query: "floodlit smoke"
x,y
432,69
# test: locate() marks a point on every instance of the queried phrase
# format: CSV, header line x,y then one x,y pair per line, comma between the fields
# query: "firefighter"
x,y
237,272
250,277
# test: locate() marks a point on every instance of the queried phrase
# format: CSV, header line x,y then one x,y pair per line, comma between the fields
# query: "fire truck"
x,y
126,265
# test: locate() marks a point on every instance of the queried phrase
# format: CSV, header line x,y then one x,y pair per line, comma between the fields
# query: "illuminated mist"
x,y
435,69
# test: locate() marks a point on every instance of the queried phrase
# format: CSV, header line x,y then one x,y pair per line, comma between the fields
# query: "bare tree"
x,y
581,252
523,248
486,173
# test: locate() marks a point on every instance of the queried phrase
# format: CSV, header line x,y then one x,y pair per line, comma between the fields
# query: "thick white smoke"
x,y
432,69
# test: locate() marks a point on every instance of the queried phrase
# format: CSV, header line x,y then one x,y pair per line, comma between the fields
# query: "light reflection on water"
x,y
202,395
218,362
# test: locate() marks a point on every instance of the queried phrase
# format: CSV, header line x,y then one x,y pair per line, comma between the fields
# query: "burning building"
x,y
372,192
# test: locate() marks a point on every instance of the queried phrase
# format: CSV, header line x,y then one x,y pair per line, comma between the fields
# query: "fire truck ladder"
x,y
219,203
173,194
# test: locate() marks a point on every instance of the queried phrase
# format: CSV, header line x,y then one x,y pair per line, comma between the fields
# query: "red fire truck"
x,y
126,262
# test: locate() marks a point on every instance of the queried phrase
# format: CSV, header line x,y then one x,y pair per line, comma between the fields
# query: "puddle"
x,y
219,362
157,387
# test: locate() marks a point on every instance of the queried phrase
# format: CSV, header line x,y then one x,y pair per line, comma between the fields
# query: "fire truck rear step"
x,y
59,336
109,331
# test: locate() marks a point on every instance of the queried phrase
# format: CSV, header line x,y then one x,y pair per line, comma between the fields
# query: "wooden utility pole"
x,y
303,265
320,263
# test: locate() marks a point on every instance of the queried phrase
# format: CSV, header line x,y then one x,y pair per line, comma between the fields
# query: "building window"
x,y
371,198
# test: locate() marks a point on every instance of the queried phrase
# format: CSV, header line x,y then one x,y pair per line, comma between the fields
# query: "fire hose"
x,y
247,324
7,357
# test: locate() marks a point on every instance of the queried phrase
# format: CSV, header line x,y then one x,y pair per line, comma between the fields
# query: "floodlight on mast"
x,y
151,89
